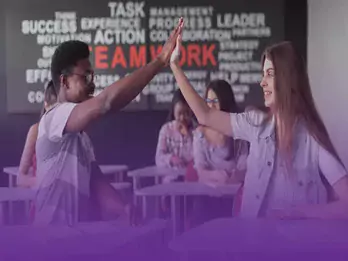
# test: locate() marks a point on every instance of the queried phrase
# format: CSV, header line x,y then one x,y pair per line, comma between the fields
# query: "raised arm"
x,y
215,119
122,92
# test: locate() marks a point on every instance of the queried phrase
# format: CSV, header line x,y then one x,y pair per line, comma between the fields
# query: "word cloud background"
x,y
222,40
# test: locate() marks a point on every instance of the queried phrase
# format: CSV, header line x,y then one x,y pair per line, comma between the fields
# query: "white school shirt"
x,y
266,183
63,169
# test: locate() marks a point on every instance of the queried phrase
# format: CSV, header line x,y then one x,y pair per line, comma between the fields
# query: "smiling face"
x,y
212,100
182,113
267,83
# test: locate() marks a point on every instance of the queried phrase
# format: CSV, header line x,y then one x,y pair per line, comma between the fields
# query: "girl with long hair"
x,y
219,159
292,166
174,147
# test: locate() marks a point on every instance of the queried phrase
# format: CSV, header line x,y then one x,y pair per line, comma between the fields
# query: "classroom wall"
x,y
327,65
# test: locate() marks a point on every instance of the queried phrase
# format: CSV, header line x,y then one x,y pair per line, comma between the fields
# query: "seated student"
x,y
28,159
218,159
174,147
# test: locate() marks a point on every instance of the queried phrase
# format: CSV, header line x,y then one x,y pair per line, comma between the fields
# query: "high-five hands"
x,y
171,43
176,52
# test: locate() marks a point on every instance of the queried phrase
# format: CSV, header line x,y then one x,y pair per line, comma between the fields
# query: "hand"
x,y
182,128
218,177
169,46
25,181
176,161
176,52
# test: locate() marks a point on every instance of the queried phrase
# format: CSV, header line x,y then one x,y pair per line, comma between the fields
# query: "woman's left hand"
x,y
218,177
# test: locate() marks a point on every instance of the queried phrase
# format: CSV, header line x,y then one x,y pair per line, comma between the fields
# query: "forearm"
x,y
25,181
28,152
163,159
202,175
24,166
211,175
197,104
122,92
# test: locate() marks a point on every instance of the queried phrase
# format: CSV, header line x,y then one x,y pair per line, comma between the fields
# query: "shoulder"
x,y
62,107
33,130
53,122
253,118
58,111
250,124
32,135
257,117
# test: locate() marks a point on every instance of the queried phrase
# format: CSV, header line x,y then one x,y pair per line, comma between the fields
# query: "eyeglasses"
x,y
216,100
88,77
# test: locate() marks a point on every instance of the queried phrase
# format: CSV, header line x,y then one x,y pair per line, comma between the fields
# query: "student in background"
x,y
28,159
292,166
174,147
218,159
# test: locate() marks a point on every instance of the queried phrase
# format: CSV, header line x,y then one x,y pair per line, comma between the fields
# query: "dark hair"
x,y
177,97
50,96
224,93
294,100
65,57
227,102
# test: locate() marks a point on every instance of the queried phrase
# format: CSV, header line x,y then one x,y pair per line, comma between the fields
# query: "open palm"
x,y
171,43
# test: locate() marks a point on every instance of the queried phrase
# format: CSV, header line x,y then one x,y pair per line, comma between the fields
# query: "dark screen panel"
x,y
221,41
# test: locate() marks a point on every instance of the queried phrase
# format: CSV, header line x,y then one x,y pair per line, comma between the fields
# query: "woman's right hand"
x,y
174,59
169,46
